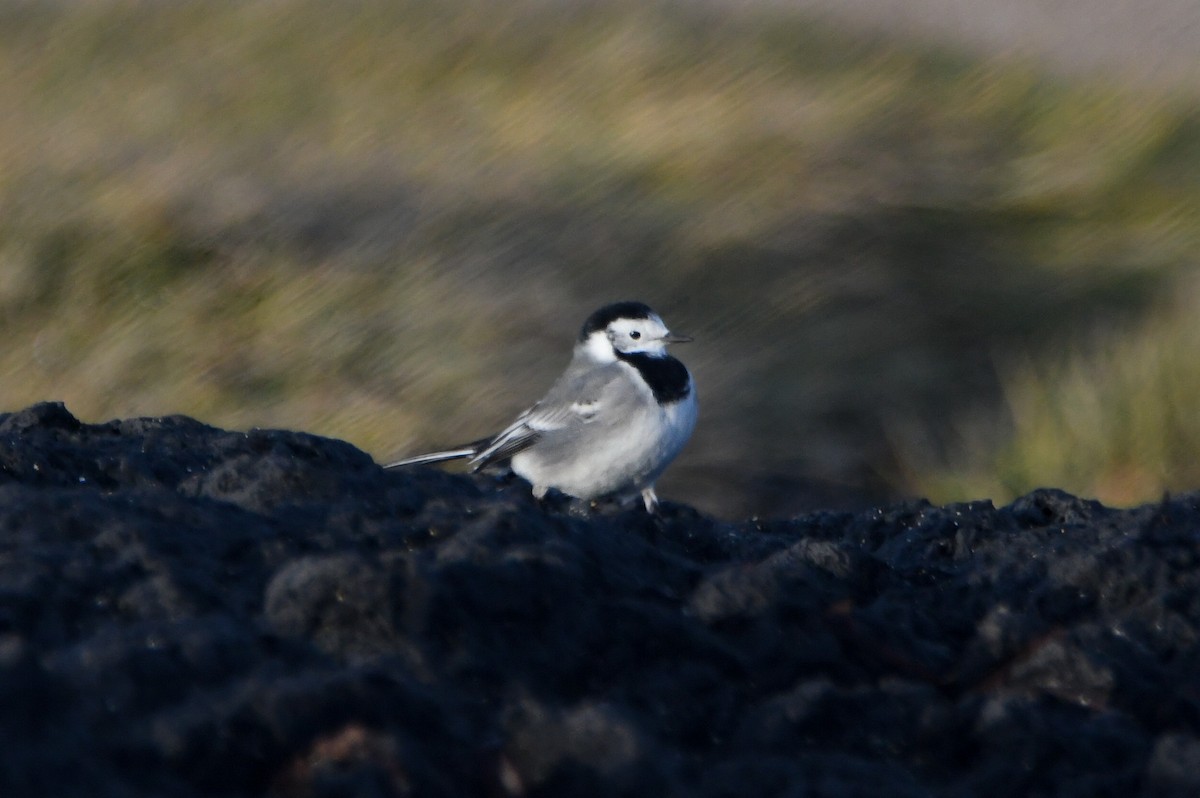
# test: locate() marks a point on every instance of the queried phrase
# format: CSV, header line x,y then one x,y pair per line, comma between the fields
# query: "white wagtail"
x,y
612,422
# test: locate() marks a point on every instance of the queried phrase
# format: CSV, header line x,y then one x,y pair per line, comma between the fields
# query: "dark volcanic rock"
x,y
186,611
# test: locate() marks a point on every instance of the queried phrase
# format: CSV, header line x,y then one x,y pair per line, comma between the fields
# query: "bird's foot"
x,y
650,499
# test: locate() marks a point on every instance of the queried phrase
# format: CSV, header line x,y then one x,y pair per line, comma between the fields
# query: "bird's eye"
x,y
635,335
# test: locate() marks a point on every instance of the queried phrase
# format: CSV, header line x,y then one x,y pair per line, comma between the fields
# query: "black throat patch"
x,y
665,375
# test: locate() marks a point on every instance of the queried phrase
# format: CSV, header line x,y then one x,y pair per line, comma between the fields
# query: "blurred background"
x,y
932,248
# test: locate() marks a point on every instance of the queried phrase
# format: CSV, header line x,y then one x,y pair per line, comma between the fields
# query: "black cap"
x,y
610,313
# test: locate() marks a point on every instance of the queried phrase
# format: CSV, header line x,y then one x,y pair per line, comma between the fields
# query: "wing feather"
x,y
574,400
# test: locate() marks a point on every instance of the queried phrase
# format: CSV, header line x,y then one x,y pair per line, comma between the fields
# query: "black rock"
x,y
187,611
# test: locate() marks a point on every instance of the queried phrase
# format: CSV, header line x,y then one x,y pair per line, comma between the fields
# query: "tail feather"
x,y
433,457
458,453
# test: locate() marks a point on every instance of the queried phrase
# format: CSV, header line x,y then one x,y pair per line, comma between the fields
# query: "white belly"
x,y
622,459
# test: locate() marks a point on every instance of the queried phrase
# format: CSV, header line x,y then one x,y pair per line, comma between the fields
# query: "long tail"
x,y
458,453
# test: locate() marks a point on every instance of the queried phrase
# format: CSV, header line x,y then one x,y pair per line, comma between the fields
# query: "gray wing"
x,y
581,396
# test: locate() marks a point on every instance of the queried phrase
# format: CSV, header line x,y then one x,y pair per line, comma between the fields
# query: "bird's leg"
x,y
650,499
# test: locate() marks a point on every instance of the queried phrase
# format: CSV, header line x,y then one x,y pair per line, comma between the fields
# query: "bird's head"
x,y
626,328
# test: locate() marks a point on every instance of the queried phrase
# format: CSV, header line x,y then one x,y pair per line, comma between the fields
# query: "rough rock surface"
x,y
186,611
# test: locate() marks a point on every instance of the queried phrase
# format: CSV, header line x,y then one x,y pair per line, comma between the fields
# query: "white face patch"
x,y
632,336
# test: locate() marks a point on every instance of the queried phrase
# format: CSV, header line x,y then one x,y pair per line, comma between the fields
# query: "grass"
x,y
1114,417
383,221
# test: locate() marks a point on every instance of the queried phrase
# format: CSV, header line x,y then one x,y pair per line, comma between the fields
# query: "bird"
x,y
609,426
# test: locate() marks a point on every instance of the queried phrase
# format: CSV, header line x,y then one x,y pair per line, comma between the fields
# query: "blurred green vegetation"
x,y
908,271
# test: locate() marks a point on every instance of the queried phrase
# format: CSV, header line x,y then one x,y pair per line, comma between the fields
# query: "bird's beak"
x,y
671,338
